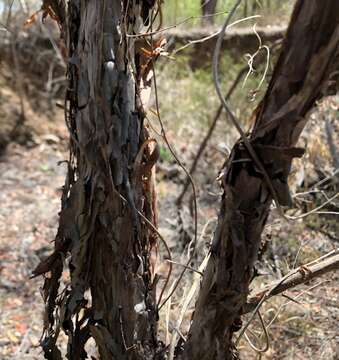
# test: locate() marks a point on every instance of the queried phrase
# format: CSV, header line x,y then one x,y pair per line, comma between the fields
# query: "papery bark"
x,y
309,58
111,294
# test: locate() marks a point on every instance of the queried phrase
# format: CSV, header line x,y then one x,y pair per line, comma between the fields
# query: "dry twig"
x,y
164,136
298,276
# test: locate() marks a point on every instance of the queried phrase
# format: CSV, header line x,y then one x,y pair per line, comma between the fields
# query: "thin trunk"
x,y
254,6
245,8
208,8
301,275
308,58
111,294
268,5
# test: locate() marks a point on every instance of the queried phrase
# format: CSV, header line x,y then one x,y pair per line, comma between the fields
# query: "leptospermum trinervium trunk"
x,y
108,201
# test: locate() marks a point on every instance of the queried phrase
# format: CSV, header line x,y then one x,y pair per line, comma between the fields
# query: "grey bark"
x,y
208,8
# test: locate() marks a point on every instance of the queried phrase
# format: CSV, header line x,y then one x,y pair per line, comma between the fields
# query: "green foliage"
x,y
175,11
189,97
165,154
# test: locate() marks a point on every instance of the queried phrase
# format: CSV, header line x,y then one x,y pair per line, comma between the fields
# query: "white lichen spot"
x,y
140,308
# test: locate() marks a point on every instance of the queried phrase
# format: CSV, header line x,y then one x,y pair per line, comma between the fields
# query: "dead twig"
x,y
251,58
233,118
185,303
213,35
164,136
267,340
151,33
295,277
218,113
298,276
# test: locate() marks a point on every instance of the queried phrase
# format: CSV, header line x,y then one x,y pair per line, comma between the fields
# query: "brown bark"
x,y
308,57
111,294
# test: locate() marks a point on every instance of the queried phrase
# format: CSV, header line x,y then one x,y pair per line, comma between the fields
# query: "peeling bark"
x,y
308,59
108,247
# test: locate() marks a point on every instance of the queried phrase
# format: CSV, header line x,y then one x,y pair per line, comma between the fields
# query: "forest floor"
x,y
31,180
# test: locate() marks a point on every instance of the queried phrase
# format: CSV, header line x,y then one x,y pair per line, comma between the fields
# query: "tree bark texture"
x,y
208,8
106,245
309,58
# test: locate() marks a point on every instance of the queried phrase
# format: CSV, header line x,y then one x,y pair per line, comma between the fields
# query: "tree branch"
x,y
298,276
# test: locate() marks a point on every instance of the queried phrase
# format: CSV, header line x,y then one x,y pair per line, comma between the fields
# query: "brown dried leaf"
x,y
32,19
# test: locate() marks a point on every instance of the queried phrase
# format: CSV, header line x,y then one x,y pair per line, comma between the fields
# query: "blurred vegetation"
x,y
176,11
185,93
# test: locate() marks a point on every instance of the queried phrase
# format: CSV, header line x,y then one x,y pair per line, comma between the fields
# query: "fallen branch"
x,y
298,276
199,35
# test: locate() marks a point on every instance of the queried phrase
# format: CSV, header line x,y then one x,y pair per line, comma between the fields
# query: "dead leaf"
x,y
32,19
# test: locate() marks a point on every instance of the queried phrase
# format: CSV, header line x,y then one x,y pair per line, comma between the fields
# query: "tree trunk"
x,y
308,58
111,294
245,8
268,5
208,8
255,6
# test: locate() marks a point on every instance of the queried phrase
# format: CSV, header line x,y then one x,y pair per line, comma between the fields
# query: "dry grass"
x,y
30,194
